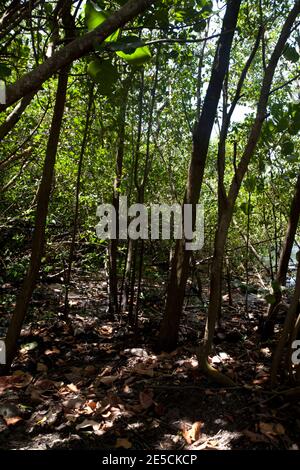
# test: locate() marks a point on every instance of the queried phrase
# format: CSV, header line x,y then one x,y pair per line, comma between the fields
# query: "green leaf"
x,y
250,184
138,57
287,147
105,74
128,44
95,18
277,111
4,71
246,208
295,125
291,54
283,124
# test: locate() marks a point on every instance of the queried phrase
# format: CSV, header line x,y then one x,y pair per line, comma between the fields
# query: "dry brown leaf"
x,y
89,423
146,399
106,330
92,404
134,408
50,352
108,380
254,437
106,371
139,369
89,370
73,388
41,367
195,432
18,380
187,435
45,384
122,442
271,429
12,420
279,429
23,379
36,396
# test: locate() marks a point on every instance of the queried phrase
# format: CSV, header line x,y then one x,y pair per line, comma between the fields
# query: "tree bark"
x,y
73,51
38,238
268,322
113,244
15,115
168,334
289,236
77,200
287,329
226,216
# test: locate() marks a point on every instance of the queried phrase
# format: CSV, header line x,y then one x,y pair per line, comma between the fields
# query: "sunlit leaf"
x,y
95,17
138,57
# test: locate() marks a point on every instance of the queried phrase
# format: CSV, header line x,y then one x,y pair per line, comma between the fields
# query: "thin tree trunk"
x,y
113,244
15,115
226,217
168,335
287,329
289,236
76,211
38,238
73,51
285,255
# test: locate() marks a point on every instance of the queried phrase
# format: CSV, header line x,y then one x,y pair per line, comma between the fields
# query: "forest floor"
x,y
102,387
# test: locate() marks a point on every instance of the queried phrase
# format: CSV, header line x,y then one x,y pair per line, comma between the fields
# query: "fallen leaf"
x,y
73,388
186,435
271,429
18,380
195,432
254,436
89,370
13,420
40,367
125,443
23,379
139,369
88,423
108,380
50,352
146,399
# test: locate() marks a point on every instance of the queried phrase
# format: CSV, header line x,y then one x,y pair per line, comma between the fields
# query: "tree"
x,y
201,137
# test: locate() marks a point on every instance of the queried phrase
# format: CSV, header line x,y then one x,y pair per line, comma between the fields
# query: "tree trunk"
x,y
15,115
287,329
267,330
73,51
113,244
38,238
290,236
168,335
77,197
226,216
